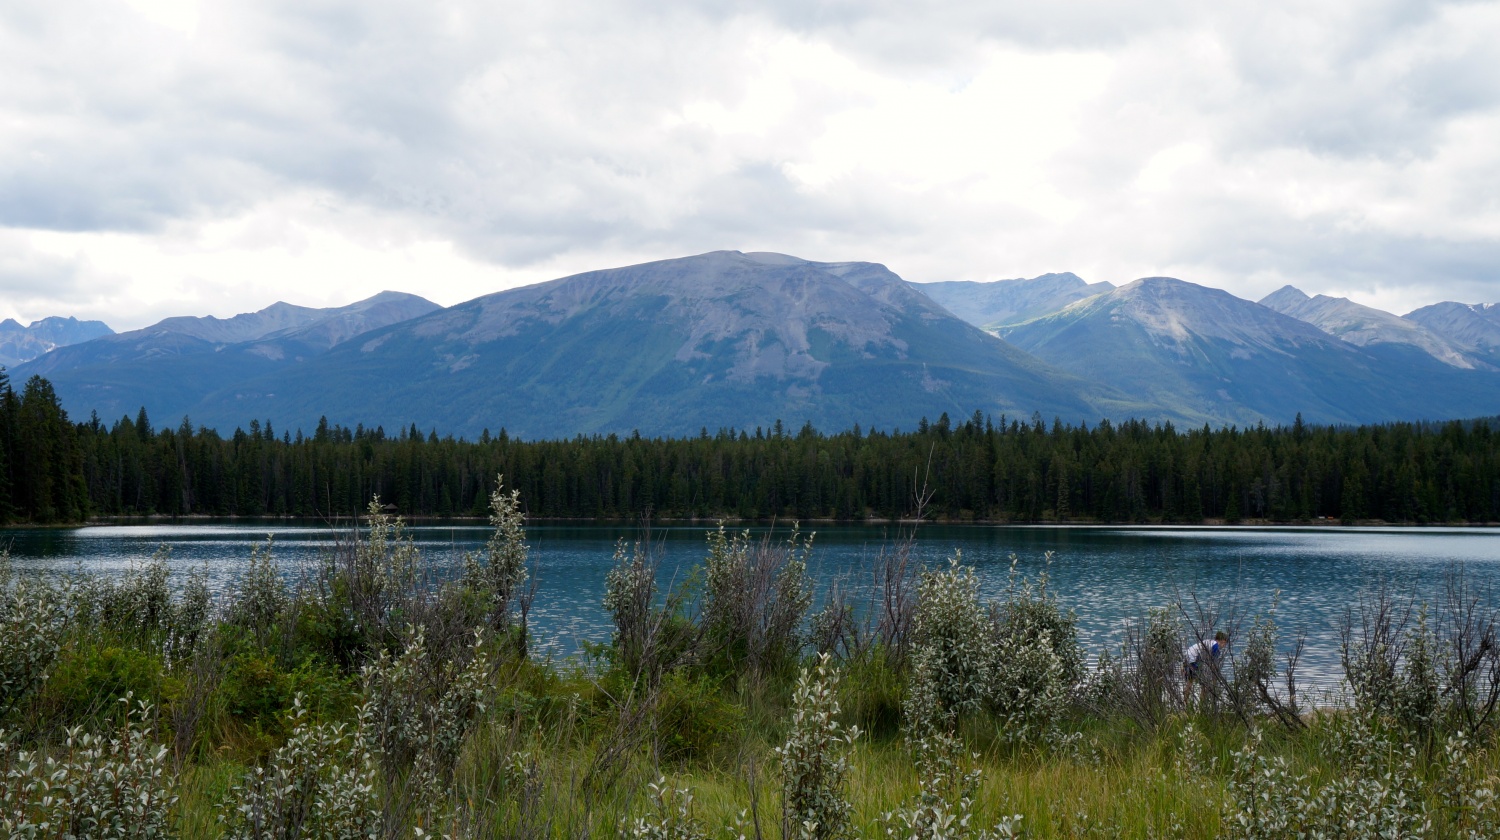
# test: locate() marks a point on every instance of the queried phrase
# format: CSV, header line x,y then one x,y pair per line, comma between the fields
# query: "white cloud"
x,y
180,16
168,156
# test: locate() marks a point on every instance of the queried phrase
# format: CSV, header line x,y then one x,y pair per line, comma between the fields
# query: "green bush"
x,y
695,720
328,630
755,598
954,649
261,595
815,761
871,693
1037,658
255,692
138,605
259,695
88,680
319,783
499,574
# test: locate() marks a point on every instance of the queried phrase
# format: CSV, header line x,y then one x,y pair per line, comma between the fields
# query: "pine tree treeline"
x,y
986,469
41,462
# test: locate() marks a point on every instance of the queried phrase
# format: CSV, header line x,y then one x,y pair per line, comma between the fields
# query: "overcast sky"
x,y
164,157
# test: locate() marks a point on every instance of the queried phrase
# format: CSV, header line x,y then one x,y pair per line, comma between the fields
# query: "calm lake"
x,y
1108,575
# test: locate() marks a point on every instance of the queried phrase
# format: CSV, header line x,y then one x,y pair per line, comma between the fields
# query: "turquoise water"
x,y
1108,575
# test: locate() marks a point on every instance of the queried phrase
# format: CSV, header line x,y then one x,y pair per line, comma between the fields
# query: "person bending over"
x,y
1205,654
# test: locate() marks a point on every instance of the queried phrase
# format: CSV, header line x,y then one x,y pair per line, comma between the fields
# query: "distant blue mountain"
x,y
1001,303
20,344
170,366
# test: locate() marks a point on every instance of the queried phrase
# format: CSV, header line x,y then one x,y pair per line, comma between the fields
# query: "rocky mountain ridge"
x,y
20,344
1475,327
1365,325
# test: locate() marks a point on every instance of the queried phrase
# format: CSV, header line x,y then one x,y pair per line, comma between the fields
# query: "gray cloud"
x,y
557,134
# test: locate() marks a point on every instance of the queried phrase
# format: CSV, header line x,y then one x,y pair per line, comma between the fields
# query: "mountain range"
x,y
22,344
730,339
1204,355
173,365
1474,327
672,347
1366,326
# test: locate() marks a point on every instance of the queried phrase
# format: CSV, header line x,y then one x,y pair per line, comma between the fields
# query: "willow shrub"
x,y
108,786
33,620
755,598
815,760
1038,661
1017,658
319,783
498,574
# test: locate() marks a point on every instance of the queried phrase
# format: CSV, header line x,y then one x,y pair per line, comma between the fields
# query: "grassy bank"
x,y
366,700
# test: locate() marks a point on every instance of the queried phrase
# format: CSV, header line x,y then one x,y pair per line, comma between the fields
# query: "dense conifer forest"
x,y
978,468
41,457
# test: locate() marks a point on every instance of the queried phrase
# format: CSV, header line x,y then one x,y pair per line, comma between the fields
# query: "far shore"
x,y
1373,524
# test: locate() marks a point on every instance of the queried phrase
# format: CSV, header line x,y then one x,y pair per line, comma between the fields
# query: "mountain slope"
x,y
715,340
20,344
1003,303
1473,326
169,366
1363,325
1203,355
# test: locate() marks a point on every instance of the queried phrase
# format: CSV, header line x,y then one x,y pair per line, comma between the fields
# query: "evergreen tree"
x,y
8,410
49,464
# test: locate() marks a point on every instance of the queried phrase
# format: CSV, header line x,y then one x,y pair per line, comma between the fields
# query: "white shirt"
x,y
1207,648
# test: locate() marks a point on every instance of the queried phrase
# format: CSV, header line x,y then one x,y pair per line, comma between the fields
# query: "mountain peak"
x,y
769,258
20,344
1158,285
387,296
1180,312
246,326
1212,357
1364,326
282,318
724,294
1474,327
1284,298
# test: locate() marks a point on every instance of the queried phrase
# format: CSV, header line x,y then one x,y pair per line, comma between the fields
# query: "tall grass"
x,y
363,699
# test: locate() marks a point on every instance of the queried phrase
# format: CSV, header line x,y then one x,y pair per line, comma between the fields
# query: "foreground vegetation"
x,y
362,699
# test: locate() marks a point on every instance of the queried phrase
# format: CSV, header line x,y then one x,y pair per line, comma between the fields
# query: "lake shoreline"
x,y
480,521
1111,575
